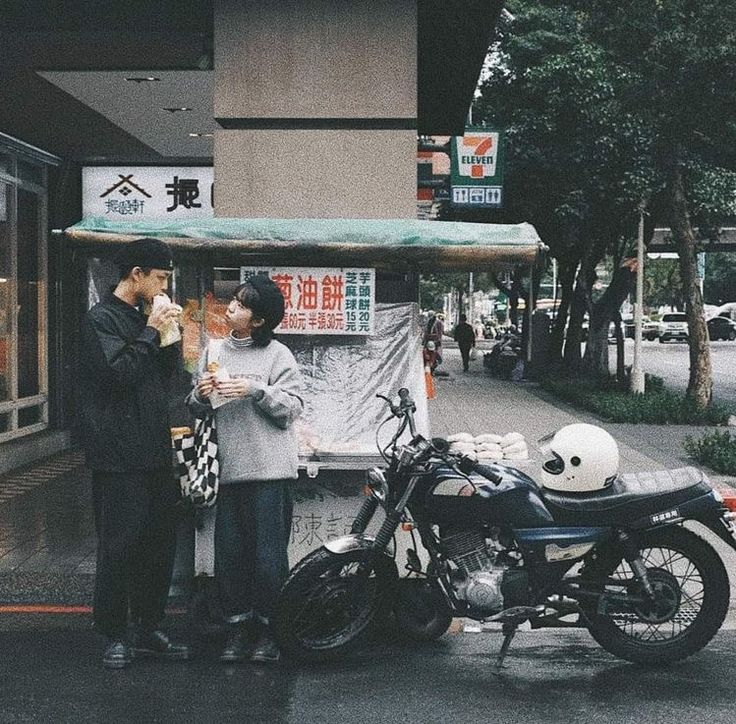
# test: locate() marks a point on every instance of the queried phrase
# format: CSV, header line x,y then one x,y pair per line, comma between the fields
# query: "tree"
x,y
678,58
574,158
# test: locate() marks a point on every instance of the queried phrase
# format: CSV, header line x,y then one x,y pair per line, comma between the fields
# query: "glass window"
x,y
5,290
5,421
30,294
30,416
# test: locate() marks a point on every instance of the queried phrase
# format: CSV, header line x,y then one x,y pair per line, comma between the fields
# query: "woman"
x,y
255,411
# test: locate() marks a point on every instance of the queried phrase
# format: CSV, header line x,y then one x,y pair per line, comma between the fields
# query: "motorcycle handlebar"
x,y
405,409
471,466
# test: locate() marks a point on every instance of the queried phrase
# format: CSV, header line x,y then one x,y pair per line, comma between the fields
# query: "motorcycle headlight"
x,y
376,483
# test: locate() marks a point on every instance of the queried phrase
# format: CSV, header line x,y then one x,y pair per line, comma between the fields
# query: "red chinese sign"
x,y
323,301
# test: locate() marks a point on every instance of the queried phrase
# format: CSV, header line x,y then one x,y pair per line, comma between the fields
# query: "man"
x,y
465,338
123,409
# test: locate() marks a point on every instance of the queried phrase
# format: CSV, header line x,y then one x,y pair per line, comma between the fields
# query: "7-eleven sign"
x,y
476,168
477,155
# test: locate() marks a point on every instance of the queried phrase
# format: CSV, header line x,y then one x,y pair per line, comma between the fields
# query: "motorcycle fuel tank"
x,y
514,502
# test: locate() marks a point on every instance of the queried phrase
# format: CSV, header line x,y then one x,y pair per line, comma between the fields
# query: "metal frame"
x,y
15,404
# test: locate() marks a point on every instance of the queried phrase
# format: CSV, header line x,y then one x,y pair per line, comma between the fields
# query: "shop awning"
x,y
389,244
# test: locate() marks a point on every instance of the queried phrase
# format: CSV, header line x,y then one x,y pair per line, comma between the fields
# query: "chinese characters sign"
x,y
324,301
147,192
476,169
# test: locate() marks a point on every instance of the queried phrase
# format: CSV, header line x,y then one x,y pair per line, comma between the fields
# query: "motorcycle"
x,y
499,547
504,355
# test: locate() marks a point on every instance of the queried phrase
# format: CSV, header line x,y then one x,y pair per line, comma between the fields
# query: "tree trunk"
x,y
578,307
557,338
595,361
620,350
700,385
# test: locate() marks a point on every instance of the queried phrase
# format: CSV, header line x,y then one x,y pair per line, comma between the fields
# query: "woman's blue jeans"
x,y
252,531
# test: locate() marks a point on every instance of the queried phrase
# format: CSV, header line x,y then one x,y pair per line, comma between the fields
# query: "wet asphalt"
x,y
50,671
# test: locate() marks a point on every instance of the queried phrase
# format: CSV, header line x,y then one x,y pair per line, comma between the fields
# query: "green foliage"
x,y
716,449
656,406
662,283
719,285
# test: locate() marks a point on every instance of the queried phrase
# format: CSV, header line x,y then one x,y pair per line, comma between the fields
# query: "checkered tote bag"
x,y
196,454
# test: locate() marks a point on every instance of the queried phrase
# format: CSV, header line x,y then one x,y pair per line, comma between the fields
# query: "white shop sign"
x,y
321,300
147,192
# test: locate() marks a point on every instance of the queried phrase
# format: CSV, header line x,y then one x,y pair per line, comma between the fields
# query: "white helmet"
x,y
582,458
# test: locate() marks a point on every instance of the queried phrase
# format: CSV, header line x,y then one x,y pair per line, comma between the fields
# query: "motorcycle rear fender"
x,y
357,542
705,509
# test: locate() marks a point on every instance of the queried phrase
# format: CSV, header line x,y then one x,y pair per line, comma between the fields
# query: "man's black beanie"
x,y
270,305
146,253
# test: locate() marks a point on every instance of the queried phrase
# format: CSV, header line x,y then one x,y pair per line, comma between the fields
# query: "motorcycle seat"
x,y
629,498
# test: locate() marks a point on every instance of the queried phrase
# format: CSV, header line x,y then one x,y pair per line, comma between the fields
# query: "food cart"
x,y
347,352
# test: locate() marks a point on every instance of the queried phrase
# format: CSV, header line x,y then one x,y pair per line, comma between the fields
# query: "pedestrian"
x,y
258,455
464,335
123,409
433,332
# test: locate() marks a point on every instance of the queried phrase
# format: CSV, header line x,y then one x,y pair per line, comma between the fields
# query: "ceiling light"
x,y
177,110
142,79
201,135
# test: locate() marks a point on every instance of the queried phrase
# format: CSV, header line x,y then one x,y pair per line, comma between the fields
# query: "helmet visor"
x,y
555,465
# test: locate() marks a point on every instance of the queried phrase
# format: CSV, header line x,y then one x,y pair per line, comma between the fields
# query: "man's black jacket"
x,y
464,335
122,391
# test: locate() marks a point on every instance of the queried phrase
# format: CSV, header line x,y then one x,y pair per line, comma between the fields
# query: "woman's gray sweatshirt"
x,y
255,435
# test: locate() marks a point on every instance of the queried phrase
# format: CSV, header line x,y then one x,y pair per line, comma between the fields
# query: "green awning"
x,y
391,244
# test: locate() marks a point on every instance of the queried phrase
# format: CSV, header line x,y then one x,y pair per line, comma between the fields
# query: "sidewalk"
x,y
475,402
47,542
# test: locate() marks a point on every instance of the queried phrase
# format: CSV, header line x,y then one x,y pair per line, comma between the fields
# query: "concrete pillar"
x,y
317,100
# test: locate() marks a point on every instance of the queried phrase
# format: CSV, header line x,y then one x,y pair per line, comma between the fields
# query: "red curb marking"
x,y
50,609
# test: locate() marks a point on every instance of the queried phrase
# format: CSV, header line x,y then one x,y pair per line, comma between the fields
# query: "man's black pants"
x,y
465,354
135,520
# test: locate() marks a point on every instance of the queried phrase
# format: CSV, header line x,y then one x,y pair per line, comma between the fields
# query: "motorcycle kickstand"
x,y
509,631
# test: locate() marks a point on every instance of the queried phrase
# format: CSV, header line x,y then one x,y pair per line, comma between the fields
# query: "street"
x,y
670,361
53,674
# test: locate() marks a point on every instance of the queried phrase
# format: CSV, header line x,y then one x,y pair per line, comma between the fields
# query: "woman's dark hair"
x,y
265,305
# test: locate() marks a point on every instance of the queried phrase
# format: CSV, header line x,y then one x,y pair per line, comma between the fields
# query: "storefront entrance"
x,y
23,290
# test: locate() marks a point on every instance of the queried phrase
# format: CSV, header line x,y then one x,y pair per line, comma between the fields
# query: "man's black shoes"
x,y
236,647
158,645
117,655
266,650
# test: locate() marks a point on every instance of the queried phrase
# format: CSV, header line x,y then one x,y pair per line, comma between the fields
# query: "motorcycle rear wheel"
x,y
692,597
325,609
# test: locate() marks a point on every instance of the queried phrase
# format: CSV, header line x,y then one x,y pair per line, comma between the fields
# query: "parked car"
x,y
673,326
649,328
721,328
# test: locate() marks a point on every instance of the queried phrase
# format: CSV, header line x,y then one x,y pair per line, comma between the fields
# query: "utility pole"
x,y
470,298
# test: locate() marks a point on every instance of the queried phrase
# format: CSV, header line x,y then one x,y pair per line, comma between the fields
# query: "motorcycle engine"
x,y
485,577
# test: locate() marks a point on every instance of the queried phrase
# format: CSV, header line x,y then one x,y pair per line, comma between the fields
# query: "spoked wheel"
x,y
691,596
329,603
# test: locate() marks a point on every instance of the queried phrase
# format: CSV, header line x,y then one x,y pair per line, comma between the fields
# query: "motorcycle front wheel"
x,y
690,604
328,604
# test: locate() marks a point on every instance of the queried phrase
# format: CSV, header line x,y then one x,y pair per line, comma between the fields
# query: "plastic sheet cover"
x,y
343,375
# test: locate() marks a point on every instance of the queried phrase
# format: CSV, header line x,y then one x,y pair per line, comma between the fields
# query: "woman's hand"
x,y
233,388
205,385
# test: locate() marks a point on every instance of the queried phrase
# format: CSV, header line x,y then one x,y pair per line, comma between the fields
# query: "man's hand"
x,y
233,388
162,316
